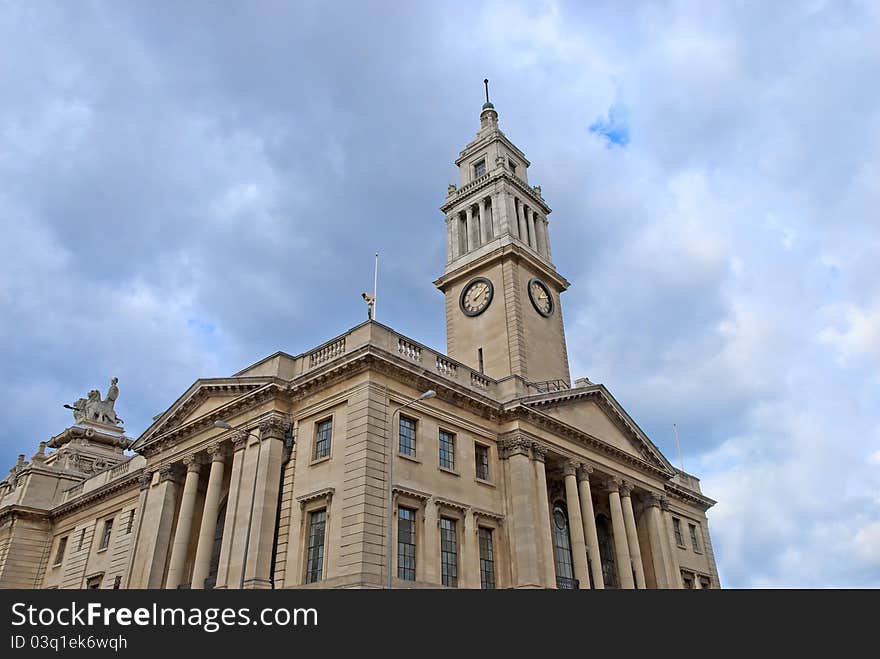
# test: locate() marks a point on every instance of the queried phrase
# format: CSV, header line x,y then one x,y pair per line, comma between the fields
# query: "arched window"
x,y
606,552
562,549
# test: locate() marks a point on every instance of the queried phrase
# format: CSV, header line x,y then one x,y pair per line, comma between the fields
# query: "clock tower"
x,y
503,312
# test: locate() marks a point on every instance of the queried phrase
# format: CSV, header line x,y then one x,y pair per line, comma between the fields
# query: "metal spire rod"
x,y
486,82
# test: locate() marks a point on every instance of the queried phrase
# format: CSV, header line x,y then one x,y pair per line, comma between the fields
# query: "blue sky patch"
x,y
612,127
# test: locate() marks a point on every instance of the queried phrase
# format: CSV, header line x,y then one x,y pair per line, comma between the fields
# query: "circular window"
x,y
559,519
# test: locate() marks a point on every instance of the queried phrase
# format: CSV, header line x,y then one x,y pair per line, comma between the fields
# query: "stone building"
x,y
505,473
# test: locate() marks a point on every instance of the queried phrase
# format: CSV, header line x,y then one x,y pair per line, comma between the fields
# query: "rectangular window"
x,y
407,436
323,430
130,522
94,583
512,167
688,580
705,583
487,560
447,450
59,554
82,537
676,527
448,552
406,544
105,537
315,558
479,168
481,458
694,543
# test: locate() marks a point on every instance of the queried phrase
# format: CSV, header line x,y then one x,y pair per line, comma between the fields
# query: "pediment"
x,y
203,397
592,410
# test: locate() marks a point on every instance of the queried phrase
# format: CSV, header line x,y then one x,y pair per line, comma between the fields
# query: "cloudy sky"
x,y
186,188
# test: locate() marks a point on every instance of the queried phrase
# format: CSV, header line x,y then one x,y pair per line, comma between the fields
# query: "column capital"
x,y
664,503
626,488
584,471
239,440
539,451
570,468
145,480
215,452
272,428
654,500
515,446
168,473
192,463
612,484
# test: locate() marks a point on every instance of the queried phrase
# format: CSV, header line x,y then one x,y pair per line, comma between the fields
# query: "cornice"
x,y
324,493
410,492
130,479
508,248
460,195
689,496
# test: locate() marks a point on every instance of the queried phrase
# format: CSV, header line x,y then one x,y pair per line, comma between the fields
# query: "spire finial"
x,y
486,82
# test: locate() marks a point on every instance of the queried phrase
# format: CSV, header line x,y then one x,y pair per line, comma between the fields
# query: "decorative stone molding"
x,y
507,448
653,500
664,503
410,492
539,451
449,503
487,514
326,493
626,489
239,440
215,452
192,463
145,480
570,468
272,428
168,473
584,471
612,484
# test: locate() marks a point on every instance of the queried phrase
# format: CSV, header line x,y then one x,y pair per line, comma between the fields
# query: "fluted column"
x,y
205,546
239,444
545,532
658,550
621,550
451,235
539,234
258,566
545,231
472,234
521,222
632,535
485,221
524,550
432,542
499,215
672,549
576,526
530,219
471,552
184,523
591,535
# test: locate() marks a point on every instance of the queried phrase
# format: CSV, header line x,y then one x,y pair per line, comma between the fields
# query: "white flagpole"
x,y
375,284
678,446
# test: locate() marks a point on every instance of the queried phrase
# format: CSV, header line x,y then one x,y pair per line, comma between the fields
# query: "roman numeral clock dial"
x,y
541,298
476,296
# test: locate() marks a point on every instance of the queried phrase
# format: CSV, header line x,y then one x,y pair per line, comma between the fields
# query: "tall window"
x,y
406,544
130,522
481,458
82,538
59,554
407,436
512,166
694,543
562,549
487,560
323,430
479,168
447,450
606,552
105,537
448,552
315,557
676,527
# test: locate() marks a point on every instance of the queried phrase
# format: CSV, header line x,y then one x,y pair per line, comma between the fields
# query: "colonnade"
x,y
493,216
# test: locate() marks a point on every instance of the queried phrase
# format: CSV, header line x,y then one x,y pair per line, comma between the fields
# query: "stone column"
x,y
545,231
158,524
499,214
589,518
521,222
485,222
451,235
432,542
576,526
512,222
524,550
180,547
658,550
205,546
539,234
545,532
530,219
472,232
632,535
239,443
672,550
621,550
470,561
258,568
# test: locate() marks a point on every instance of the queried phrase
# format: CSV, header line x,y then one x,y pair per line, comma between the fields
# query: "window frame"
x,y
106,534
477,164
692,530
308,570
316,439
676,530
487,561
414,439
477,447
60,550
452,441
410,573
449,580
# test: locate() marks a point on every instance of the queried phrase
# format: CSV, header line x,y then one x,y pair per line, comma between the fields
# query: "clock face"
x,y
476,296
541,298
